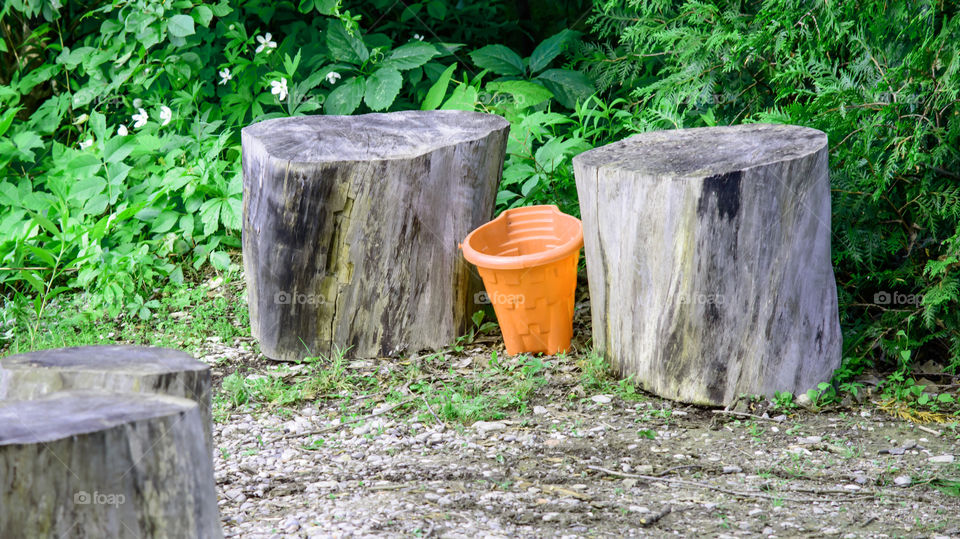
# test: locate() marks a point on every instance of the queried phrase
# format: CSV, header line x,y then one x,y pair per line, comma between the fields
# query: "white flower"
x,y
279,88
86,143
165,115
122,130
137,103
418,37
266,42
140,119
333,77
225,75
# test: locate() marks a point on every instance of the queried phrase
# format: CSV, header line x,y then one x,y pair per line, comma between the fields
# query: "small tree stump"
x,y
351,225
93,464
118,369
708,257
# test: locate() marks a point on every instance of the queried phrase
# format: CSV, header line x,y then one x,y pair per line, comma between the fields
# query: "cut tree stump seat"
x,y
351,225
106,441
708,257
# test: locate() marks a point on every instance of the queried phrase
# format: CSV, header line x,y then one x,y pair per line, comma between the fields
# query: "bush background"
x,y
116,220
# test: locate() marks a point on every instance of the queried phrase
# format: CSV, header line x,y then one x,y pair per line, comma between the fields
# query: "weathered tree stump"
x,y
121,369
95,464
351,224
708,257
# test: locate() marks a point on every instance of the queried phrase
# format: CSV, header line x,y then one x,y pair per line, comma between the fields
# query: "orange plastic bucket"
x,y
527,258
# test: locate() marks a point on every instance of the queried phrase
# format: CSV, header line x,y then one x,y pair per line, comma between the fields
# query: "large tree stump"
x,y
351,224
708,257
94,464
119,369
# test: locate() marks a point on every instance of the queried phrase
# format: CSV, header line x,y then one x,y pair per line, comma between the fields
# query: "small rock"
x,y
755,512
941,459
732,469
601,399
810,440
291,525
539,410
445,500
902,480
638,509
629,483
551,517
803,400
769,531
644,469
488,426
236,495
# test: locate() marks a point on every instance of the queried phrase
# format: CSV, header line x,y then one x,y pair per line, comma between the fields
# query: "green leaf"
x,y
526,94
463,97
222,9
203,15
26,141
437,9
345,98
549,49
382,88
220,260
6,118
210,216
567,86
326,7
305,6
44,255
87,188
165,221
343,46
498,59
117,149
410,55
34,281
180,26
438,90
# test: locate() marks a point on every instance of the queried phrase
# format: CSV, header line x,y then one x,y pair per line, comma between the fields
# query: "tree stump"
x,y
708,258
351,225
122,369
95,464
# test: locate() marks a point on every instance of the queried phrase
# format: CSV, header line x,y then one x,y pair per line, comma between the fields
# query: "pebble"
x,y
601,399
902,480
488,426
732,469
941,459
539,410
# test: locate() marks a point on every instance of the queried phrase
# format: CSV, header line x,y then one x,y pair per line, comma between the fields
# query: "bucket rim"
x,y
481,260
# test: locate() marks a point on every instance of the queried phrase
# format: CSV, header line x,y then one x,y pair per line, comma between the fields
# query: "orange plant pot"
x,y
527,258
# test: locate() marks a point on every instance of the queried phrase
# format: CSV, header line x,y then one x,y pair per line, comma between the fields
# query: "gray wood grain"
x,y
708,257
98,464
351,225
119,369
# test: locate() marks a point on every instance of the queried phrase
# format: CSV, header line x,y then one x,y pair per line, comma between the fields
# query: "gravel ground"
x,y
589,466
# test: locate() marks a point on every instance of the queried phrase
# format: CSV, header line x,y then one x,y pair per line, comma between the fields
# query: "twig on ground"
x,y
675,468
339,426
650,521
431,410
720,489
751,416
929,430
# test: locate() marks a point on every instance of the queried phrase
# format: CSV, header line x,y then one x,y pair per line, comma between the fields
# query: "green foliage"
x,y
880,78
119,131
